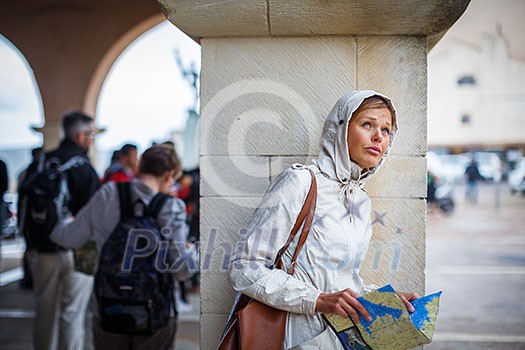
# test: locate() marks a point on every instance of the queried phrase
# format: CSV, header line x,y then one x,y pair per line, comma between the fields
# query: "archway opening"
x,y
20,110
145,98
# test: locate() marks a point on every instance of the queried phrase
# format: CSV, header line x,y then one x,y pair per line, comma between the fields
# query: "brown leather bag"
x,y
253,325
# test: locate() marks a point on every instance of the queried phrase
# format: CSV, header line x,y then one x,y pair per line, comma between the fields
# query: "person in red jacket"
x,y
125,169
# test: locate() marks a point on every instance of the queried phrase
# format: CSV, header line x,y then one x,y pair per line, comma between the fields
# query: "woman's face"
x,y
369,136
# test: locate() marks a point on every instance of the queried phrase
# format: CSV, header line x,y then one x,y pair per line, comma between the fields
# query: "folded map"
x,y
392,326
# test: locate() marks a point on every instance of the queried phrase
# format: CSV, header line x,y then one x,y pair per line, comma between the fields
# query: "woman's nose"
x,y
377,136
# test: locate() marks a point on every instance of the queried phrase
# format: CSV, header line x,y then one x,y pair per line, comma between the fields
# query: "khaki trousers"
x,y
61,296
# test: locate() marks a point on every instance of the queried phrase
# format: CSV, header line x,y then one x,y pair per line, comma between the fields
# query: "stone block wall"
x,y
263,104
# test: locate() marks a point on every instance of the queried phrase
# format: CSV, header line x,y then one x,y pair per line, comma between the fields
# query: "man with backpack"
x,y
139,231
58,184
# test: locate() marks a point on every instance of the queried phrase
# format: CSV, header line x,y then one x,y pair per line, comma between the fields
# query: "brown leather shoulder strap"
x,y
307,225
305,220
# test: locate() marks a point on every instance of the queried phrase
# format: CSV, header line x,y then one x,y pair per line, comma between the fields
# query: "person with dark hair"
x,y
4,184
35,154
27,281
123,169
432,181
187,189
473,176
114,165
61,293
157,170
168,144
171,145
356,140
78,128
4,181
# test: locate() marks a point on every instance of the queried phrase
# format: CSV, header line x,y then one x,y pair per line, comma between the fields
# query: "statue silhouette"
x,y
190,75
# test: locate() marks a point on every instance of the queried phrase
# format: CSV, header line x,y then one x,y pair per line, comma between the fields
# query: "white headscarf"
x,y
334,159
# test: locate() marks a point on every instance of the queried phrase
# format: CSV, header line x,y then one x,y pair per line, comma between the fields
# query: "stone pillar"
x,y
271,71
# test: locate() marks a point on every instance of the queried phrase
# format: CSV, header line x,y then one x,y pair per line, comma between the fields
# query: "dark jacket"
x,y
82,181
4,181
472,173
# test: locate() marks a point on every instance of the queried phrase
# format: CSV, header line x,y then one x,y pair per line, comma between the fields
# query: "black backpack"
x,y
134,299
46,200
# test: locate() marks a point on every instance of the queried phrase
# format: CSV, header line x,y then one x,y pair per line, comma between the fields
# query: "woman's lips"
x,y
374,150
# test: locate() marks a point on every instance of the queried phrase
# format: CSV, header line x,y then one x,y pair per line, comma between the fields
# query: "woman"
x,y
157,171
356,139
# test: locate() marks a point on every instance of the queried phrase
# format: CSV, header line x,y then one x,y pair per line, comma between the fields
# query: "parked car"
x,y
448,168
516,178
455,165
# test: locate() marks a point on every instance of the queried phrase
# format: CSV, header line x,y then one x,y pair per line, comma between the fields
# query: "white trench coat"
x,y
337,243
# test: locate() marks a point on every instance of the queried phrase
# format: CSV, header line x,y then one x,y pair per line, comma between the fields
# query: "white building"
x,y
476,95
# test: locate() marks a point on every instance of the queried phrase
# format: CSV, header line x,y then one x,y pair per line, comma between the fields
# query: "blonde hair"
x,y
376,102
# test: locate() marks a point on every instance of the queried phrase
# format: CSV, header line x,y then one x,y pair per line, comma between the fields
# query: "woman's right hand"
x,y
343,303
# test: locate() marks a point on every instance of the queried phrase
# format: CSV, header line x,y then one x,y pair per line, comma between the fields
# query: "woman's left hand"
x,y
406,298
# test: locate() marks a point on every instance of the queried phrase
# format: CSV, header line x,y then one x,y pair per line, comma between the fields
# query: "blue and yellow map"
x,y
392,327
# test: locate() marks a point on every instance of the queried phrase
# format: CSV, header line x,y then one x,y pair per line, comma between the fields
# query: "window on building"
x,y
466,80
465,119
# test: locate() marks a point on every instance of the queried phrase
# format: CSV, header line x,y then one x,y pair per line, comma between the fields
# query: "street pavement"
x,y
476,256
16,308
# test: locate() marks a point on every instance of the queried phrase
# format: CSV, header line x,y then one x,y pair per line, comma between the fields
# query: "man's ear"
x,y
79,137
168,175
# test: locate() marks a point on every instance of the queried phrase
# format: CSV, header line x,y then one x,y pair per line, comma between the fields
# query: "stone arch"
x,y
65,43
32,113
103,67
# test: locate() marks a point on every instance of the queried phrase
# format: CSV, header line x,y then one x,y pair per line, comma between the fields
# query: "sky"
x,y
20,104
143,98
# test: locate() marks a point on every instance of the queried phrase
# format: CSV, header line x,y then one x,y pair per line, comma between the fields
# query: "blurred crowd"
x,y
47,207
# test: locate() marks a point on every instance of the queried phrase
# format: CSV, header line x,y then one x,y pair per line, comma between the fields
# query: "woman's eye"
x,y
367,124
386,131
